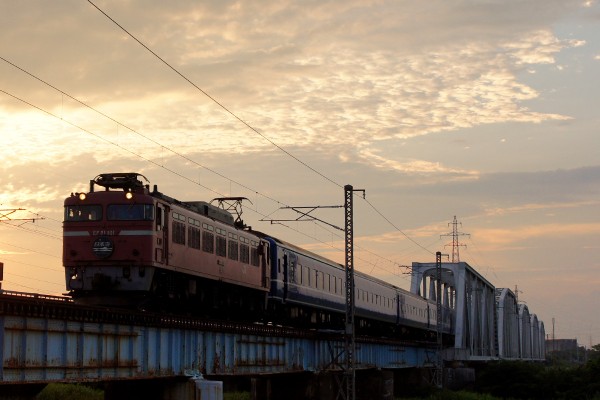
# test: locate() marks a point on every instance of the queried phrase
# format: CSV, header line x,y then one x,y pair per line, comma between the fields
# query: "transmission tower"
x,y
439,365
455,244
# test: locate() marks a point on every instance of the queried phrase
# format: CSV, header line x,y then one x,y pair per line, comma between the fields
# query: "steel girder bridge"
x,y
490,323
49,339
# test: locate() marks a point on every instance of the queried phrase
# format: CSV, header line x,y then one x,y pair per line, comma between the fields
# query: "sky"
x,y
486,110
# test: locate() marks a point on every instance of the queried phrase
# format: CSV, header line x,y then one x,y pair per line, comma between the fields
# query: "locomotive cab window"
x,y
130,212
83,213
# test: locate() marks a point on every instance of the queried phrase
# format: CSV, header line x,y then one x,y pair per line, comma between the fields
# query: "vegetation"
x,y
511,380
562,378
520,380
450,395
236,396
63,391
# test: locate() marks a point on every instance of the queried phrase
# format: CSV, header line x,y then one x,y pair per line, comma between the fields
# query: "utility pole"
x,y
439,373
455,244
553,337
349,331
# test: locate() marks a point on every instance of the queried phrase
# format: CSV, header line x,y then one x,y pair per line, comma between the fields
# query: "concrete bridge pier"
x,y
370,384
25,391
159,389
164,389
292,386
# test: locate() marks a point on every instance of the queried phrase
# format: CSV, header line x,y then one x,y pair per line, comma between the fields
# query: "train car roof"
x,y
326,260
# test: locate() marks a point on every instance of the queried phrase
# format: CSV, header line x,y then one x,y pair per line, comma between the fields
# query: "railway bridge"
x,y
47,339
489,324
50,339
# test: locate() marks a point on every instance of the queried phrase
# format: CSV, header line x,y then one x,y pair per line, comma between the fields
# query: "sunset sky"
x,y
486,110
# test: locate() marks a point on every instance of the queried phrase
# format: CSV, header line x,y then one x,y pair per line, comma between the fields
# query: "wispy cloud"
x,y
297,75
539,207
517,234
371,157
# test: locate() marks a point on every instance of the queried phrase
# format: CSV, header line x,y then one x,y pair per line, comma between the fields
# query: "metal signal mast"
x,y
455,244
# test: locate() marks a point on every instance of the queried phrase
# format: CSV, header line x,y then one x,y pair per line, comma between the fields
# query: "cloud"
x,y
500,190
540,207
325,76
522,233
369,156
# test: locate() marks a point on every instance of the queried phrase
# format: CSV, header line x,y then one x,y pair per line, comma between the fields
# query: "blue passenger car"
x,y
309,289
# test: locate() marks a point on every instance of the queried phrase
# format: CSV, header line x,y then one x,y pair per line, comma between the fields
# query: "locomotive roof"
x,y
122,180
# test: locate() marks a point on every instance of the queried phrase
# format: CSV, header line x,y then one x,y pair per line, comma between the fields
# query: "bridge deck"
x,y
46,339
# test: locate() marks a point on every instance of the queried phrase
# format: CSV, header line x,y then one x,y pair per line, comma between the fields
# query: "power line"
x,y
216,102
398,229
131,130
33,251
172,151
143,158
20,285
35,279
35,231
230,112
12,260
221,105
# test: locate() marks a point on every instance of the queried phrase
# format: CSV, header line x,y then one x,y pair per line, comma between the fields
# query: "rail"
x,y
62,307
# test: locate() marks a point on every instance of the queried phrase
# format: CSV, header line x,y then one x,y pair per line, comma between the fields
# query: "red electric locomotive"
x,y
127,245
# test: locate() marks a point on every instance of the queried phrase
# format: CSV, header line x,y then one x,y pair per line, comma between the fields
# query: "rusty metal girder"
x,y
46,350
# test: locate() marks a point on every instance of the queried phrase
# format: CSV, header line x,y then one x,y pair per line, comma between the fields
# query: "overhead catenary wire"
x,y
221,105
242,121
150,161
28,249
48,235
9,281
133,130
64,93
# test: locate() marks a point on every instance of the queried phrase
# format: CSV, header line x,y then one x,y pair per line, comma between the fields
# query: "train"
x,y
127,245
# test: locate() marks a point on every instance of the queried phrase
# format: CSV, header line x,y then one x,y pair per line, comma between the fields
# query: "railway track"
x,y
35,305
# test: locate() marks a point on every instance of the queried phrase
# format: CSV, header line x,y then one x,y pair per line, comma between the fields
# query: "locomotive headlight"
x,y
82,196
129,195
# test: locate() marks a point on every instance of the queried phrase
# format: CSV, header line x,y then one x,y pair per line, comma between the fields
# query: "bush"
x,y
450,395
236,396
63,391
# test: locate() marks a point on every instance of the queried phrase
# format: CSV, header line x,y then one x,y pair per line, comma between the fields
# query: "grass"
x,y
449,395
64,391
236,396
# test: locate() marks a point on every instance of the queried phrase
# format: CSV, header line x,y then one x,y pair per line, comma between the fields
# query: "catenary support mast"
x,y
350,344
350,373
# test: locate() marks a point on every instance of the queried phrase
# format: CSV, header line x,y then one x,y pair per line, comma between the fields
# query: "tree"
x,y
594,352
